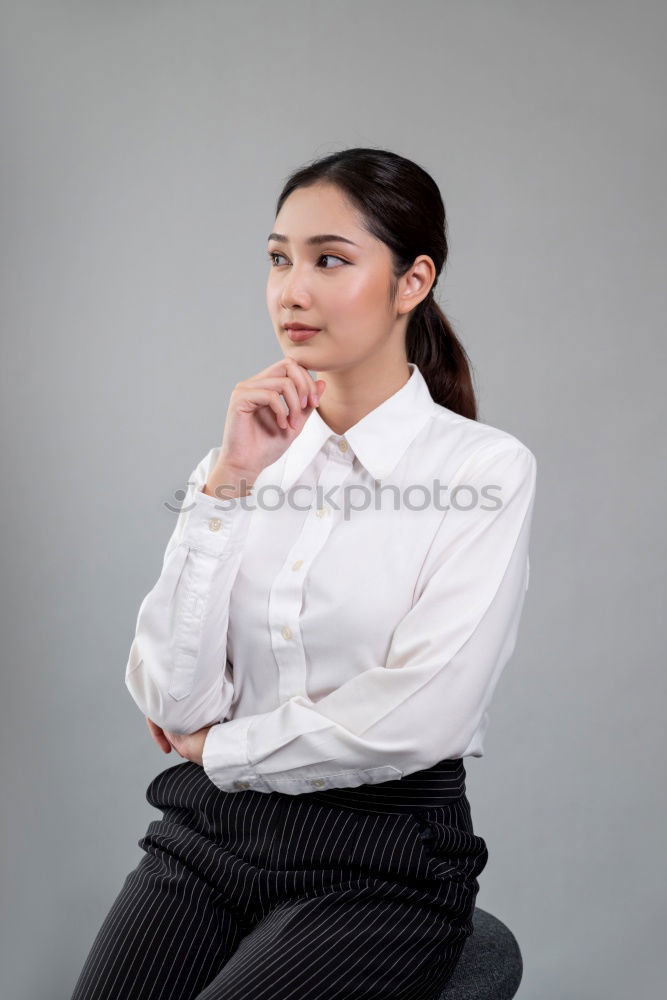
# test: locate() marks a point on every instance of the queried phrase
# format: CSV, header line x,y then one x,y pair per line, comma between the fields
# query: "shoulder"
x,y
456,440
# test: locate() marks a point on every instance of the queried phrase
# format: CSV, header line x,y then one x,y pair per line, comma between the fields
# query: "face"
x,y
339,286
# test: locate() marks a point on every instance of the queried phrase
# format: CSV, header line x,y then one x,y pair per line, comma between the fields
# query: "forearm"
x,y
176,672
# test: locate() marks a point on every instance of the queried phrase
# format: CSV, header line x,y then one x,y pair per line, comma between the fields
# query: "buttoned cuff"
x,y
225,756
218,526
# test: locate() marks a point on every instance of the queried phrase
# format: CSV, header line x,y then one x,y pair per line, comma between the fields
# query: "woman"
x,y
341,592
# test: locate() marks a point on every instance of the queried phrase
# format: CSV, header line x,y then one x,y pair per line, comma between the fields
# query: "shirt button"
x,y
241,784
214,524
343,445
318,782
286,632
298,564
322,511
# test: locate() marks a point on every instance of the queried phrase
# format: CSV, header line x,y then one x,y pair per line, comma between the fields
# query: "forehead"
x,y
320,208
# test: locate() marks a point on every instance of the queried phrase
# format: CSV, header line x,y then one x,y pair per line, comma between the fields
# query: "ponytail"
x,y
441,358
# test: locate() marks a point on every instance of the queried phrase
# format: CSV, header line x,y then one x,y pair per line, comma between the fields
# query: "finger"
x,y
179,742
283,384
161,739
165,744
277,406
286,385
299,371
291,396
158,735
310,384
264,397
303,379
295,395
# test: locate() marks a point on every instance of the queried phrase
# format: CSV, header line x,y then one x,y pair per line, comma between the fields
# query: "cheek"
x,y
361,296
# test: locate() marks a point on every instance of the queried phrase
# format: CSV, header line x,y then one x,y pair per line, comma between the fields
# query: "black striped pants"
x,y
363,892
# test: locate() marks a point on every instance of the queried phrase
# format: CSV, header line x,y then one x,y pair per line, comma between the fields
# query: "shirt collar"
x,y
379,439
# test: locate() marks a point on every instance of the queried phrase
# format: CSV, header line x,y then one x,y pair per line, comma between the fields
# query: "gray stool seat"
x,y
490,966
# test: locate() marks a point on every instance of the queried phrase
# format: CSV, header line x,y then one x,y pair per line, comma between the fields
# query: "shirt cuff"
x,y
217,525
225,756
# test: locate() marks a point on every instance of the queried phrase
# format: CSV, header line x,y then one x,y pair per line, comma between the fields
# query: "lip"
x,y
299,335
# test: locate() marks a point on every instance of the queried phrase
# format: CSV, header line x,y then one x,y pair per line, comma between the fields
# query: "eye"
x,y
325,256
272,255
331,256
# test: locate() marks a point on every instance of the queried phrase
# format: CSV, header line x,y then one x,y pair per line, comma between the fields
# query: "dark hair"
x,y
401,205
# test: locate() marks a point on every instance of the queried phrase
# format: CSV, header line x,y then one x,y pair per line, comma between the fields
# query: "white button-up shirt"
x,y
346,623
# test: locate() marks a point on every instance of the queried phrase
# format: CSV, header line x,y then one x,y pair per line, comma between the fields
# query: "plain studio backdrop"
x,y
143,147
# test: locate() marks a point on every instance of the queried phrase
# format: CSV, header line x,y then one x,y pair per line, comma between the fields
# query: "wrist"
x,y
227,481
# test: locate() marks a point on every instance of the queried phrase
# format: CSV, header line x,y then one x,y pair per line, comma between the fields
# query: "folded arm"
x,y
425,703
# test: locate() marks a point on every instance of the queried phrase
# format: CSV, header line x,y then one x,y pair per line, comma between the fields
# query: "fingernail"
x,y
304,400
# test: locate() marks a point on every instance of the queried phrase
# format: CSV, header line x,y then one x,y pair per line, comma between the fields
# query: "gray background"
x,y
143,147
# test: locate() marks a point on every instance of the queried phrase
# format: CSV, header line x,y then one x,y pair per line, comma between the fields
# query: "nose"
x,y
294,290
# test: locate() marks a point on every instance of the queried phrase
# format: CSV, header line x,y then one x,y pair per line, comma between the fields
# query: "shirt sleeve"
x,y
426,702
177,671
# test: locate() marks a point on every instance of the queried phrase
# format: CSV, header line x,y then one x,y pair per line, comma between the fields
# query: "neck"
x,y
353,392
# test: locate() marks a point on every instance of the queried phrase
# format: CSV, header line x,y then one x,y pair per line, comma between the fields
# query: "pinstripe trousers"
x,y
363,892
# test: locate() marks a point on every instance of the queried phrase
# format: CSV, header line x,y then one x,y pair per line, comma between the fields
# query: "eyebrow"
x,y
314,240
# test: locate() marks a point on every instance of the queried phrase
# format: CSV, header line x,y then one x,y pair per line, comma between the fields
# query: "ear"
x,y
416,283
